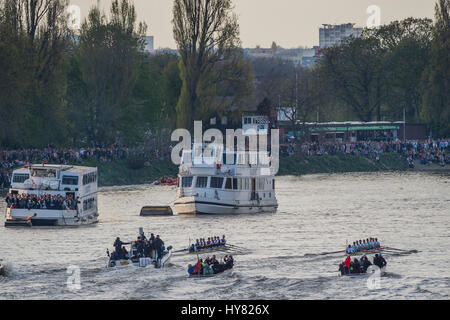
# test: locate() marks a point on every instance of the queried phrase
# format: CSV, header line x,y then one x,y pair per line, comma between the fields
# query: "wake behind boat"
x,y
143,252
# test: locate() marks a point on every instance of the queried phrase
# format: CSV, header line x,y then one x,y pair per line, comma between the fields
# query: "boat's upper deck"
x,y
55,178
218,162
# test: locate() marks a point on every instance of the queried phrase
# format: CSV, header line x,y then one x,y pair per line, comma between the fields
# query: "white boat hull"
x,y
191,205
144,262
51,217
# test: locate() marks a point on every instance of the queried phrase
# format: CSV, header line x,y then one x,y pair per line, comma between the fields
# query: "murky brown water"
x,y
317,213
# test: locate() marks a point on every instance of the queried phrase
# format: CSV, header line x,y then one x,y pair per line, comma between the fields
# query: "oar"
x,y
394,249
181,250
234,246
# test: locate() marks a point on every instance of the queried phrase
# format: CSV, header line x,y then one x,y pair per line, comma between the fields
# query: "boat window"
x,y
89,178
228,184
20,177
235,183
216,182
44,173
186,182
72,180
261,184
202,182
273,184
88,204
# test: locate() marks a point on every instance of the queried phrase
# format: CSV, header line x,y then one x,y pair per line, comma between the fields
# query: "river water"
x,y
282,260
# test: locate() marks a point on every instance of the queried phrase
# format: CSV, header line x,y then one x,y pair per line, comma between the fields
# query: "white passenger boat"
x,y
42,181
207,186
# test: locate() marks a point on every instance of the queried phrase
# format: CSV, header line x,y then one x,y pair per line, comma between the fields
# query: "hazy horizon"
x,y
290,23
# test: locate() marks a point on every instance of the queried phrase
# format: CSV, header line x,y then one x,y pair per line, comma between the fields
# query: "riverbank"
x,y
125,173
341,163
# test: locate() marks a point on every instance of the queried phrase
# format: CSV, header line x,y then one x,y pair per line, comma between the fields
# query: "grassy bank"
x,y
340,163
127,173
123,173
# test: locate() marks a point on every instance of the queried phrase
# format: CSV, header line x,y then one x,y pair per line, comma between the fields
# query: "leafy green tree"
x,y
207,36
355,70
436,78
109,56
33,46
406,46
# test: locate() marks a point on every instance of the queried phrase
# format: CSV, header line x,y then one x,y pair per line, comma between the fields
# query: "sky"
x,y
290,23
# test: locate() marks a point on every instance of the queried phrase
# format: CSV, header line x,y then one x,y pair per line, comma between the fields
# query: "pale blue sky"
x,y
290,23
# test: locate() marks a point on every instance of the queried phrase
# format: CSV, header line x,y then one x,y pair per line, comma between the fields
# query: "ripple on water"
x,y
284,256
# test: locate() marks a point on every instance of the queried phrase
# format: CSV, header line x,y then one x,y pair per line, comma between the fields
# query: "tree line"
x,y
98,86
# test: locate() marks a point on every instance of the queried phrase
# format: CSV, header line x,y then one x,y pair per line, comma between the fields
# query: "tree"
x,y
33,50
207,36
109,56
270,75
301,98
436,78
355,69
406,47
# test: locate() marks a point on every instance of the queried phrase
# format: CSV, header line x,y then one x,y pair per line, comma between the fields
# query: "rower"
x,y
377,243
350,249
223,240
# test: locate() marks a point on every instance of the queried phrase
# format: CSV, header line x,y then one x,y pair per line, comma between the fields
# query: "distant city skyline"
x,y
290,23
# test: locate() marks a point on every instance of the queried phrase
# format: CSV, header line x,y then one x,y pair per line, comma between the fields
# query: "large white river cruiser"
x,y
206,186
52,195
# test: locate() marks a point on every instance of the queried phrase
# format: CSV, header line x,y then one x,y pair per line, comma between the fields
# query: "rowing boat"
x,y
209,250
208,275
367,274
365,252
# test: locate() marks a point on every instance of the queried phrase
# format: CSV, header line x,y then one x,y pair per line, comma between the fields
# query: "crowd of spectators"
x,y
10,159
45,201
425,151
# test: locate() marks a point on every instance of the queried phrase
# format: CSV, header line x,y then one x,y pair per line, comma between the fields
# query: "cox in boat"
x,y
143,252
